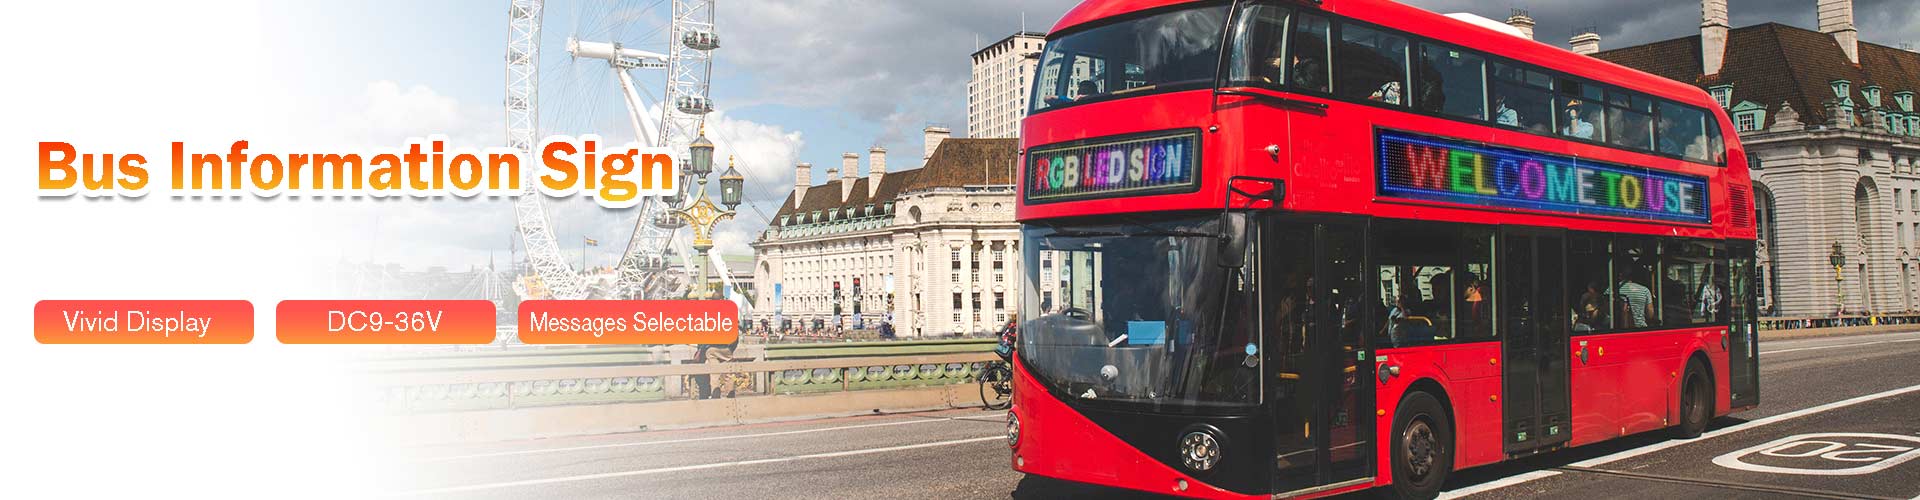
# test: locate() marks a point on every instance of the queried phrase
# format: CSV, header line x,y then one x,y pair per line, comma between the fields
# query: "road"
x,y
1851,385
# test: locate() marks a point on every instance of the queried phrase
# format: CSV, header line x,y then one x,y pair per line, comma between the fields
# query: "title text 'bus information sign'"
x,y
1427,168
1157,164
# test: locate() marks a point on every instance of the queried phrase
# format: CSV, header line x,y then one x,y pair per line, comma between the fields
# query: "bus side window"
x,y
1683,132
1521,99
1259,47
1588,267
1582,109
1452,81
1635,297
1310,70
1371,65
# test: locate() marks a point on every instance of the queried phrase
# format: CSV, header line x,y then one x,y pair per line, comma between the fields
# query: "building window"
x,y
1723,94
1899,204
1748,122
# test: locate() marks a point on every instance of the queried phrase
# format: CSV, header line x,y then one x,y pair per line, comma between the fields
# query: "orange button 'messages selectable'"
x,y
427,322
143,321
629,322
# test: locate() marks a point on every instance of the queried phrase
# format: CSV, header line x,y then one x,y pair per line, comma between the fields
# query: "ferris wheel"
x,y
604,57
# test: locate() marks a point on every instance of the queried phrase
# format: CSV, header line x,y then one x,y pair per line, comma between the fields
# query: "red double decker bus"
x,y
1299,248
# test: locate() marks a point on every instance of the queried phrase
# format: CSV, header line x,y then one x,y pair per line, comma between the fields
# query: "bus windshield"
x,y
1175,49
1140,312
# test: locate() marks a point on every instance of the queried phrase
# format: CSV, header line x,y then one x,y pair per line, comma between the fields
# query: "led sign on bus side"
x,y
1163,163
1428,168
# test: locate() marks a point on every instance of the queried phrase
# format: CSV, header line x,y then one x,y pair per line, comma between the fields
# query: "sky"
x,y
794,81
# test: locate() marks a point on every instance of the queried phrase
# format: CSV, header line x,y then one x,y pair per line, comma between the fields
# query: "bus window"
x,y
1635,298
1474,301
1170,50
1588,267
1310,70
1629,121
1419,282
1452,81
1372,65
1259,47
1521,99
1693,283
1582,109
1683,132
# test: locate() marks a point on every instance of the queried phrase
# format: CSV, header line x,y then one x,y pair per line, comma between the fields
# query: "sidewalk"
x,y
1809,333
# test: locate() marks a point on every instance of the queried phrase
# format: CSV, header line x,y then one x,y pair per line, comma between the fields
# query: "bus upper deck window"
x,y
1309,69
1452,81
1259,47
1683,132
1372,65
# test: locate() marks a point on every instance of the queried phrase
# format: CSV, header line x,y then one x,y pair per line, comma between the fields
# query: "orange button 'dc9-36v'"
x,y
629,322
143,321
417,322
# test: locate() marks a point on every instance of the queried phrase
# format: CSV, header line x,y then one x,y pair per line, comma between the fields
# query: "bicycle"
x,y
996,378
996,385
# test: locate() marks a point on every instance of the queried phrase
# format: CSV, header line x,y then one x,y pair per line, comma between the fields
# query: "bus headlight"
x,y
1199,450
1013,430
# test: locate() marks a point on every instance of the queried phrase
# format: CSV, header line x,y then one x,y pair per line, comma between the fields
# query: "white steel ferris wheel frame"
x,y
689,69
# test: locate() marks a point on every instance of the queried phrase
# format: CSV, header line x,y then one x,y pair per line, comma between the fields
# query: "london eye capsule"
x,y
694,105
669,221
701,40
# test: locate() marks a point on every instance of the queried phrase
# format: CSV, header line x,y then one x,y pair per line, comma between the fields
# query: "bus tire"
x,y
1696,402
1422,447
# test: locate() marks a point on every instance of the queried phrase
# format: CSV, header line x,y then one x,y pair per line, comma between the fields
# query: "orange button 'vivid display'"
x,y
429,322
143,321
629,322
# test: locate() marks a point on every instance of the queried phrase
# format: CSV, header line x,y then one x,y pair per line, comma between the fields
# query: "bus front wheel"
x,y
1422,447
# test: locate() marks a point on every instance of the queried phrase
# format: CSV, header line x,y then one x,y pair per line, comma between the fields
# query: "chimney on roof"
x,y
802,178
935,135
1713,35
876,169
1521,21
1586,43
1836,19
849,169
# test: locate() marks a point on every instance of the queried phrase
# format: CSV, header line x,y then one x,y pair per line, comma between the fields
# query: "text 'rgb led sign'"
x,y
1125,167
1427,168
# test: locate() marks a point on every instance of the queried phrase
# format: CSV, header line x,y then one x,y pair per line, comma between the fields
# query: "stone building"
x,y
935,249
1002,81
1831,124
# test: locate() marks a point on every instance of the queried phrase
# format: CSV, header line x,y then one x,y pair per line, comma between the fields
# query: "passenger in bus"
x,y
1635,300
1590,311
1503,114
1389,93
1309,67
1576,125
1086,89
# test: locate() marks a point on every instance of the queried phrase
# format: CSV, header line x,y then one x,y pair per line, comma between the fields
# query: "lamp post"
x,y
702,214
1838,259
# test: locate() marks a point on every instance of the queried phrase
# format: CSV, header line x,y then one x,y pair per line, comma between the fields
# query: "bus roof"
x,y
1432,25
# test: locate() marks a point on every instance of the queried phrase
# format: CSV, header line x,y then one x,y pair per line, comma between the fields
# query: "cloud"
x,y
898,63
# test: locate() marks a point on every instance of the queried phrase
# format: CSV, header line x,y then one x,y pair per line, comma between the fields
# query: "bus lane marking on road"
x,y
1825,453
1626,454
685,468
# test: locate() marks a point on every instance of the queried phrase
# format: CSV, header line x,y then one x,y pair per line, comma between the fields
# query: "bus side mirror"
x,y
1234,239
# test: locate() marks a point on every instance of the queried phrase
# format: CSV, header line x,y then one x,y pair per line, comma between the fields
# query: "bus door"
x,y
1743,347
1532,274
1321,400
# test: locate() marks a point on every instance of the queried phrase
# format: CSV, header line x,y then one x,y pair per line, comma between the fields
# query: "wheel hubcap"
x,y
1420,448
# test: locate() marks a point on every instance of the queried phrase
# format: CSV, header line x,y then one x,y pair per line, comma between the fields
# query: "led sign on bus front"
x,y
1442,170
1127,167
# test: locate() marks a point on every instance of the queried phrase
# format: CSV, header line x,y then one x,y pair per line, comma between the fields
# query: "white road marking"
x,y
1868,456
1838,346
684,468
996,415
1623,455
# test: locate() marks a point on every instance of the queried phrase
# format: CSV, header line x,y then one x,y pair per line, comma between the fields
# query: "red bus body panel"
x,y
1630,382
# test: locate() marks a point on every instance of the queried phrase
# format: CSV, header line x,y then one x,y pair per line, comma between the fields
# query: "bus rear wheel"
x,y
1696,403
1422,447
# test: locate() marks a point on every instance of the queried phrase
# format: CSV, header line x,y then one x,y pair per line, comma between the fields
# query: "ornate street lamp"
x,y
701,214
1838,259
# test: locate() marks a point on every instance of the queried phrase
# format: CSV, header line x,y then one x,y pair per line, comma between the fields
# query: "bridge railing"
x,y
589,376
1780,323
